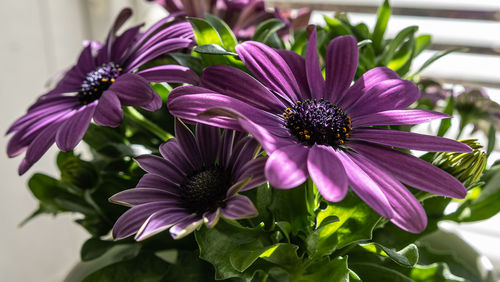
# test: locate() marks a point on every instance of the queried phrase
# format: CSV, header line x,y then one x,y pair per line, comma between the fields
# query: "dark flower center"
x,y
98,81
205,190
319,122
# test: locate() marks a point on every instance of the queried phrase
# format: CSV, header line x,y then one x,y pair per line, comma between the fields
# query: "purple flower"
x,y
324,128
243,16
196,181
103,79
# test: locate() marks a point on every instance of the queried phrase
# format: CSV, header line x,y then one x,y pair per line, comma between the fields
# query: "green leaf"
x,y
437,56
229,41
406,257
436,272
53,196
281,254
491,139
221,246
486,205
213,49
94,248
266,29
422,42
189,267
205,33
383,15
114,255
291,206
403,58
446,123
397,43
194,63
370,272
336,27
145,267
356,221
326,271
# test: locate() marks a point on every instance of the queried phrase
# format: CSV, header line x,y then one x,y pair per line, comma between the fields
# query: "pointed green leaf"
x,y
266,29
437,56
383,15
397,43
229,41
422,42
436,272
492,133
406,257
446,123
213,49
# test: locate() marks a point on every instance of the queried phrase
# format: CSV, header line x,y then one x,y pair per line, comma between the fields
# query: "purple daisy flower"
x,y
103,79
242,16
324,128
196,181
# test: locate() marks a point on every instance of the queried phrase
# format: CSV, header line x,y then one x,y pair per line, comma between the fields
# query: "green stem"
x,y
151,127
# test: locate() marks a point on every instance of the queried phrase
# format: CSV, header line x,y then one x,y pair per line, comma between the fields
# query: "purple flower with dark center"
x,y
103,80
325,128
242,16
197,180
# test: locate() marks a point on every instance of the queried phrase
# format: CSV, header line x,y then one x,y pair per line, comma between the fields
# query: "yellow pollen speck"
x,y
338,135
297,127
120,69
344,129
95,89
350,128
347,135
301,133
307,137
305,131
112,80
104,79
341,142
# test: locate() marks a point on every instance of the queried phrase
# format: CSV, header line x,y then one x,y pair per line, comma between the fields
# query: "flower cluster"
x,y
274,143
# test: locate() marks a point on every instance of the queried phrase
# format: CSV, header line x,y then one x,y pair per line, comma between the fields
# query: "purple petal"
x,y
397,117
211,218
130,222
244,150
226,147
409,140
160,221
341,64
237,84
395,94
287,166
154,181
161,167
327,172
255,169
185,227
71,131
133,90
298,66
139,196
170,73
411,170
189,101
366,185
188,145
109,110
172,152
269,68
155,104
236,187
123,42
85,62
165,46
408,213
313,70
41,143
367,81
270,142
239,207
208,140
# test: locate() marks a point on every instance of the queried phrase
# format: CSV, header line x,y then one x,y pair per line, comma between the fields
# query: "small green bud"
x,y
466,167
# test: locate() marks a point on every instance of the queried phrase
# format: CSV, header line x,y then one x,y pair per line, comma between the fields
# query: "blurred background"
x,y
42,37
